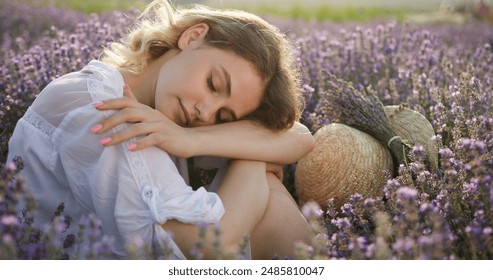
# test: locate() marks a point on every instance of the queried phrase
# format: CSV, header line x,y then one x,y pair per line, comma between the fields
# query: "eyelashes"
x,y
210,84
222,115
218,118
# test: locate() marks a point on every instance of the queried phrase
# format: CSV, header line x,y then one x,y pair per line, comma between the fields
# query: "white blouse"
x,y
132,193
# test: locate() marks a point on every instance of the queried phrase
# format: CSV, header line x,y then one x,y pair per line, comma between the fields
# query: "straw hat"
x,y
344,161
413,127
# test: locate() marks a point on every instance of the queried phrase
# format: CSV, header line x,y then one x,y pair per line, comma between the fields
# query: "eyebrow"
x,y
228,81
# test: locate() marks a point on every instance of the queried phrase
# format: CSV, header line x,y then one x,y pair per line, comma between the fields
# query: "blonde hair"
x,y
245,34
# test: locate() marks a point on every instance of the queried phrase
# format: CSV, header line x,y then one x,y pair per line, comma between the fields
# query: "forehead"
x,y
247,86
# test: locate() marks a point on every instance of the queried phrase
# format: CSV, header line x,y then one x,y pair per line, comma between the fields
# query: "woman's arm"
x,y
240,139
250,141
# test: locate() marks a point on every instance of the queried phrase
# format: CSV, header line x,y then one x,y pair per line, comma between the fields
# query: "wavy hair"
x,y
265,46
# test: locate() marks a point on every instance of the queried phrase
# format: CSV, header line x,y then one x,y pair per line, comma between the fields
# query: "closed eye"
x,y
210,84
224,116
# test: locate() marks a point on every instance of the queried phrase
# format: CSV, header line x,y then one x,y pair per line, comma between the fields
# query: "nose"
x,y
207,110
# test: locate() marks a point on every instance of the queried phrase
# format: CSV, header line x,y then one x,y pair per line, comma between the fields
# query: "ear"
x,y
193,34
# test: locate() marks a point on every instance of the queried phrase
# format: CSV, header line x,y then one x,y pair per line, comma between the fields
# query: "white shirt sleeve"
x,y
132,192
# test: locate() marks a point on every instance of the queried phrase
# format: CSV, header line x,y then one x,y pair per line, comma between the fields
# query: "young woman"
x,y
201,82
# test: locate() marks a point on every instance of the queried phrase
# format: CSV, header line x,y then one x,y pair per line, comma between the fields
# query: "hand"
x,y
154,127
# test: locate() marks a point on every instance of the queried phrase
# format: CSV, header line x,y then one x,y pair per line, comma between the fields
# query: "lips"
x,y
186,121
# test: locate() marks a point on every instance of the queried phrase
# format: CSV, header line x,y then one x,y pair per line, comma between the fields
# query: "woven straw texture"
x,y
344,161
415,128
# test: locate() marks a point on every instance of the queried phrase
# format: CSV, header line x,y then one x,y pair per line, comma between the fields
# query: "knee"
x,y
273,178
276,186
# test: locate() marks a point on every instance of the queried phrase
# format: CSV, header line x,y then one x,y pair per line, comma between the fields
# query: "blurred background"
x,y
420,11
414,4
441,66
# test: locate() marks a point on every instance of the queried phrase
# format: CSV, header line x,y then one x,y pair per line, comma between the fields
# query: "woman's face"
x,y
202,85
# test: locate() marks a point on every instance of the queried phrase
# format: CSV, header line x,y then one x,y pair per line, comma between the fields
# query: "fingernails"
x,y
132,147
105,140
96,128
97,104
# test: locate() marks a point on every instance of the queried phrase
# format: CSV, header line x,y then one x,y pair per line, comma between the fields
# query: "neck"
x,y
143,85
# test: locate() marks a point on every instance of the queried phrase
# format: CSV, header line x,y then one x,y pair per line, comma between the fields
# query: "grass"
x,y
92,6
333,13
308,12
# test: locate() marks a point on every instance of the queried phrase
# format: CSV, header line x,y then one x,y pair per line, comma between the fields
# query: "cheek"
x,y
254,102
168,109
162,100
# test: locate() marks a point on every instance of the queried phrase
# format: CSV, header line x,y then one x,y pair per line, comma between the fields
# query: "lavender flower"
x,y
362,110
442,71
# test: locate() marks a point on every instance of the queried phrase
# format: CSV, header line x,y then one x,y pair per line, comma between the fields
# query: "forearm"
x,y
249,141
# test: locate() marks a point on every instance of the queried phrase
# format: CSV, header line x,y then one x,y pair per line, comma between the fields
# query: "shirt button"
x,y
148,191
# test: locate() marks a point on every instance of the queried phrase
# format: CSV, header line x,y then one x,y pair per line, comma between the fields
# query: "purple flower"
x,y
404,245
407,193
419,152
311,210
9,220
442,71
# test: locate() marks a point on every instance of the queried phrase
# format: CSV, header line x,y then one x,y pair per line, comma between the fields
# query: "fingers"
x,y
135,130
127,101
122,116
118,103
148,141
128,115
147,130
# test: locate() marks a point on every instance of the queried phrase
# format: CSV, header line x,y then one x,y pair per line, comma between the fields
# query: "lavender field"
x,y
445,72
